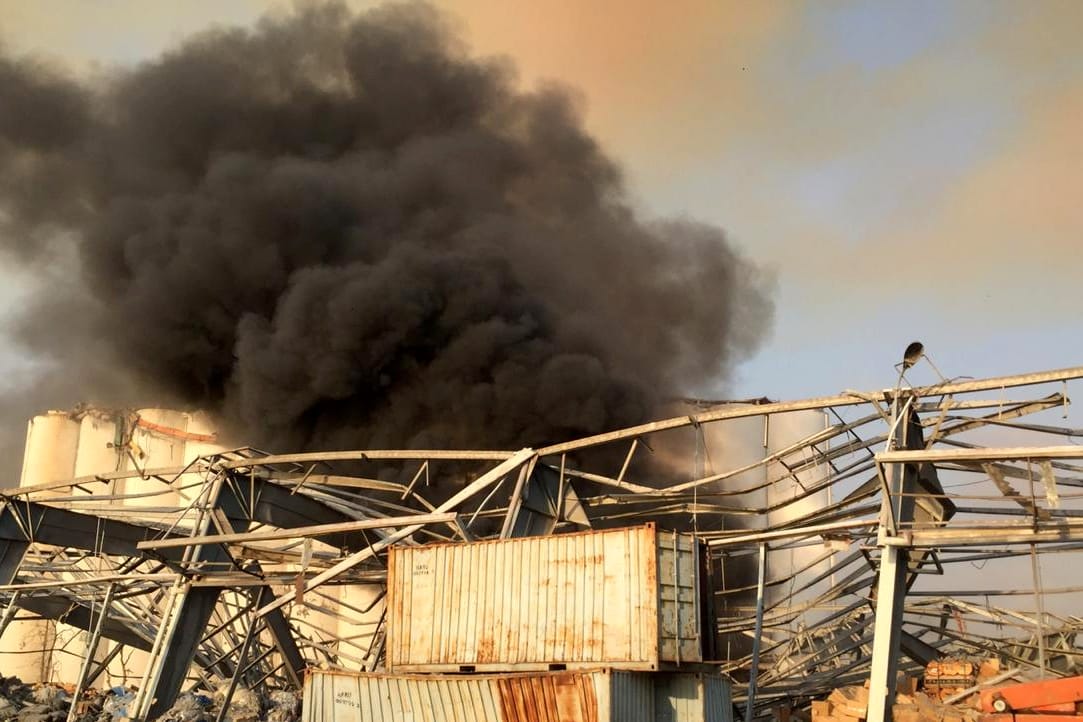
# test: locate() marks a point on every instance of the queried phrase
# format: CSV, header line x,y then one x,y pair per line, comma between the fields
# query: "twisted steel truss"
x,y
231,570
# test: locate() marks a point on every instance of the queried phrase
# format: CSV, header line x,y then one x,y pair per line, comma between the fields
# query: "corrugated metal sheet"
x,y
588,696
631,696
692,698
555,697
623,598
678,598
718,699
335,697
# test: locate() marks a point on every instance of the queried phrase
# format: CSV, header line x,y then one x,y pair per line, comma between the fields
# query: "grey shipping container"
x,y
583,696
622,598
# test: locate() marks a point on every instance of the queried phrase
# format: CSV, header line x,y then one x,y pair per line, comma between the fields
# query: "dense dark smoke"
x,y
340,230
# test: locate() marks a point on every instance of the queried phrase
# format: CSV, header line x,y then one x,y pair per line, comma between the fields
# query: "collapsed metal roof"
x,y
232,579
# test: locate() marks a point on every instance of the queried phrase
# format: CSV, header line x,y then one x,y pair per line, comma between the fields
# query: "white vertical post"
x,y
891,584
885,645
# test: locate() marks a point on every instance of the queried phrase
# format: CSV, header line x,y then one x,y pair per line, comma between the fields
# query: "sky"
x,y
904,170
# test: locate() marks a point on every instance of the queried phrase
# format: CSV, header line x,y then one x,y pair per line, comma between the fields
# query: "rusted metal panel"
x,y
560,697
541,697
622,598
590,696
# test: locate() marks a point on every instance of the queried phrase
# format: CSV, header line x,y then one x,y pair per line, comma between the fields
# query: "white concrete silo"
x,y
52,440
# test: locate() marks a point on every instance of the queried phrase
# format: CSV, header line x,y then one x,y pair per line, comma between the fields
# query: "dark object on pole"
x,y
913,352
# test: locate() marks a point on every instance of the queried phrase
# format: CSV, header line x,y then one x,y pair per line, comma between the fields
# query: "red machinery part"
x,y
1041,698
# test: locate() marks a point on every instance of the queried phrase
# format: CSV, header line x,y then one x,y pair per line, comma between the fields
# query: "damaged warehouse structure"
x,y
821,542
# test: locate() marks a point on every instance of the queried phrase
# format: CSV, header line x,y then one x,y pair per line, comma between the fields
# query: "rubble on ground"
x,y
33,703
21,702
190,707
850,704
946,694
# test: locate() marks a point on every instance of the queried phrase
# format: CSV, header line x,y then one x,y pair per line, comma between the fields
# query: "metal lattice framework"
x,y
825,555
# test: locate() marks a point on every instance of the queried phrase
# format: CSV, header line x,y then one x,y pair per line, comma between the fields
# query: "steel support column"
x,y
895,509
187,612
238,501
91,652
890,593
254,625
761,585
282,635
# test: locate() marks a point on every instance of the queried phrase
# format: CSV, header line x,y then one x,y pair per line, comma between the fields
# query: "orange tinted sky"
x,y
909,169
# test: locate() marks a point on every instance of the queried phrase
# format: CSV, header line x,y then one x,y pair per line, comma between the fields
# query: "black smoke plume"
x,y
340,230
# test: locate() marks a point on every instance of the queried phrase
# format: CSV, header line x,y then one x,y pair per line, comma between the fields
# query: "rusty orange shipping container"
x,y
622,598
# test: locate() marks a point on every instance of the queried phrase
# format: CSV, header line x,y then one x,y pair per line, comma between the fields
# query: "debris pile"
x,y
115,705
851,704
947,677
920,707
23,702
946,694
190,707
33,703
244,706
283,706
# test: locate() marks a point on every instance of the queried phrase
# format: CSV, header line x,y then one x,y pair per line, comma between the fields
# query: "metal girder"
x,y
757,632
487,479
187,615
320,531
282,635
236,503
918,650
12,552
979,455
91,652
263,501
847,399
71,611
284,493
24,522
544,503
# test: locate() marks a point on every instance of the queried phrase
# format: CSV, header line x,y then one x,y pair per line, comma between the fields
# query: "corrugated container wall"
x,y
587,696
623,598
680,697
